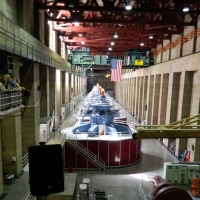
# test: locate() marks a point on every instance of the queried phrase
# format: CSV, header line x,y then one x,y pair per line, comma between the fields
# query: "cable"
x,y
35,104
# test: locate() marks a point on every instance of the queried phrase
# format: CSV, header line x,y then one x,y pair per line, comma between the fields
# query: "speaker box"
x,y
27,93
46,169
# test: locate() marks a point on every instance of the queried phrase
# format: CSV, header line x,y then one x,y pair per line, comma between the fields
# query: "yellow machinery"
x,y
185,128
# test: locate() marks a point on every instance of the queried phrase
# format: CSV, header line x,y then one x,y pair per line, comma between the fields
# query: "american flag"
x,y
116,70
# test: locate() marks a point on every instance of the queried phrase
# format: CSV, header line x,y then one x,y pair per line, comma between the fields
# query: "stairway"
x,y
86,153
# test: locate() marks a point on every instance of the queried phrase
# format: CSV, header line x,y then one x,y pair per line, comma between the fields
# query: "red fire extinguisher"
x,y
187,158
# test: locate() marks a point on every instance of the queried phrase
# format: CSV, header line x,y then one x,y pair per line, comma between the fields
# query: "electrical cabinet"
x,y
178,173
192,171
104,59
76,59
182,179
46,126
97,59
169,173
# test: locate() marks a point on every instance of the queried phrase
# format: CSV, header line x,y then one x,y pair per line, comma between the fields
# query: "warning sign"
x,y
139,62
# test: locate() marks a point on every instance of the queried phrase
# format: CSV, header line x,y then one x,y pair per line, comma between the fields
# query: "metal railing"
x,y
86,152
25,160
10,99
172,147
11,40
141,191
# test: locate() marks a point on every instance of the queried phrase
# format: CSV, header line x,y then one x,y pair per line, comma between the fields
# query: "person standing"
x,y
11,81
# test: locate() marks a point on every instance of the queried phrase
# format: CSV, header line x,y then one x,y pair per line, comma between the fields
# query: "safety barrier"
x,y
10,99
11,40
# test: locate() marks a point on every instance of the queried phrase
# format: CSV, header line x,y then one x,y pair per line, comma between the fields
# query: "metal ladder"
x,y
86,153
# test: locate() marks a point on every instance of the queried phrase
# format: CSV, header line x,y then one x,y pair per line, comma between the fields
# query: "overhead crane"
x,y
185,128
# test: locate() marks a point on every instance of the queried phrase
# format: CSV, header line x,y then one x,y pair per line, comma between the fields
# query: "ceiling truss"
x,y
99,20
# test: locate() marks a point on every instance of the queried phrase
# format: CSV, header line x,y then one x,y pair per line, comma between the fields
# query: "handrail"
x,y
10,99
86,152
35,50
181,39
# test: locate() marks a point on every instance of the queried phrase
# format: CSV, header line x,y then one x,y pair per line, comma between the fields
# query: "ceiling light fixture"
x,y
141,44
82,42
186,9
109,49
112,43
115,35
80,35
128,6
150,37
76,23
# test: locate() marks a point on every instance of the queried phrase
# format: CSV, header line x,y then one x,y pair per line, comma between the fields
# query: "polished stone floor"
x,y
118,183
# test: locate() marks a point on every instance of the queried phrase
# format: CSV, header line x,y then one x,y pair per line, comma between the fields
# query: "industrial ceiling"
x,y
144,26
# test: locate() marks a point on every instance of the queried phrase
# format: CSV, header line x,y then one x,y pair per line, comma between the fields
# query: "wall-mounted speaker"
x,y
27,93
46,169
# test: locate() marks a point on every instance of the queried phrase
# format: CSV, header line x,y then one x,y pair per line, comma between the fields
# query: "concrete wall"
x,y
171,89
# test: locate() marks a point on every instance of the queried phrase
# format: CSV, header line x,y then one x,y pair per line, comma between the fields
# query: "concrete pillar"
x,y
72,86
194,110
12,140
59,94
122,91
44,99
31,113
16,67
181,143
144,100
133,103
150,99
156,99
171,102
163,99
187,94
67,88
140,98
53,95
186,106
128,94
1,167
162,105
136,97
131,96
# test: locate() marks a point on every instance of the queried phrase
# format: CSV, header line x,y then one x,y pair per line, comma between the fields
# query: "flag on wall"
x,y
116,70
